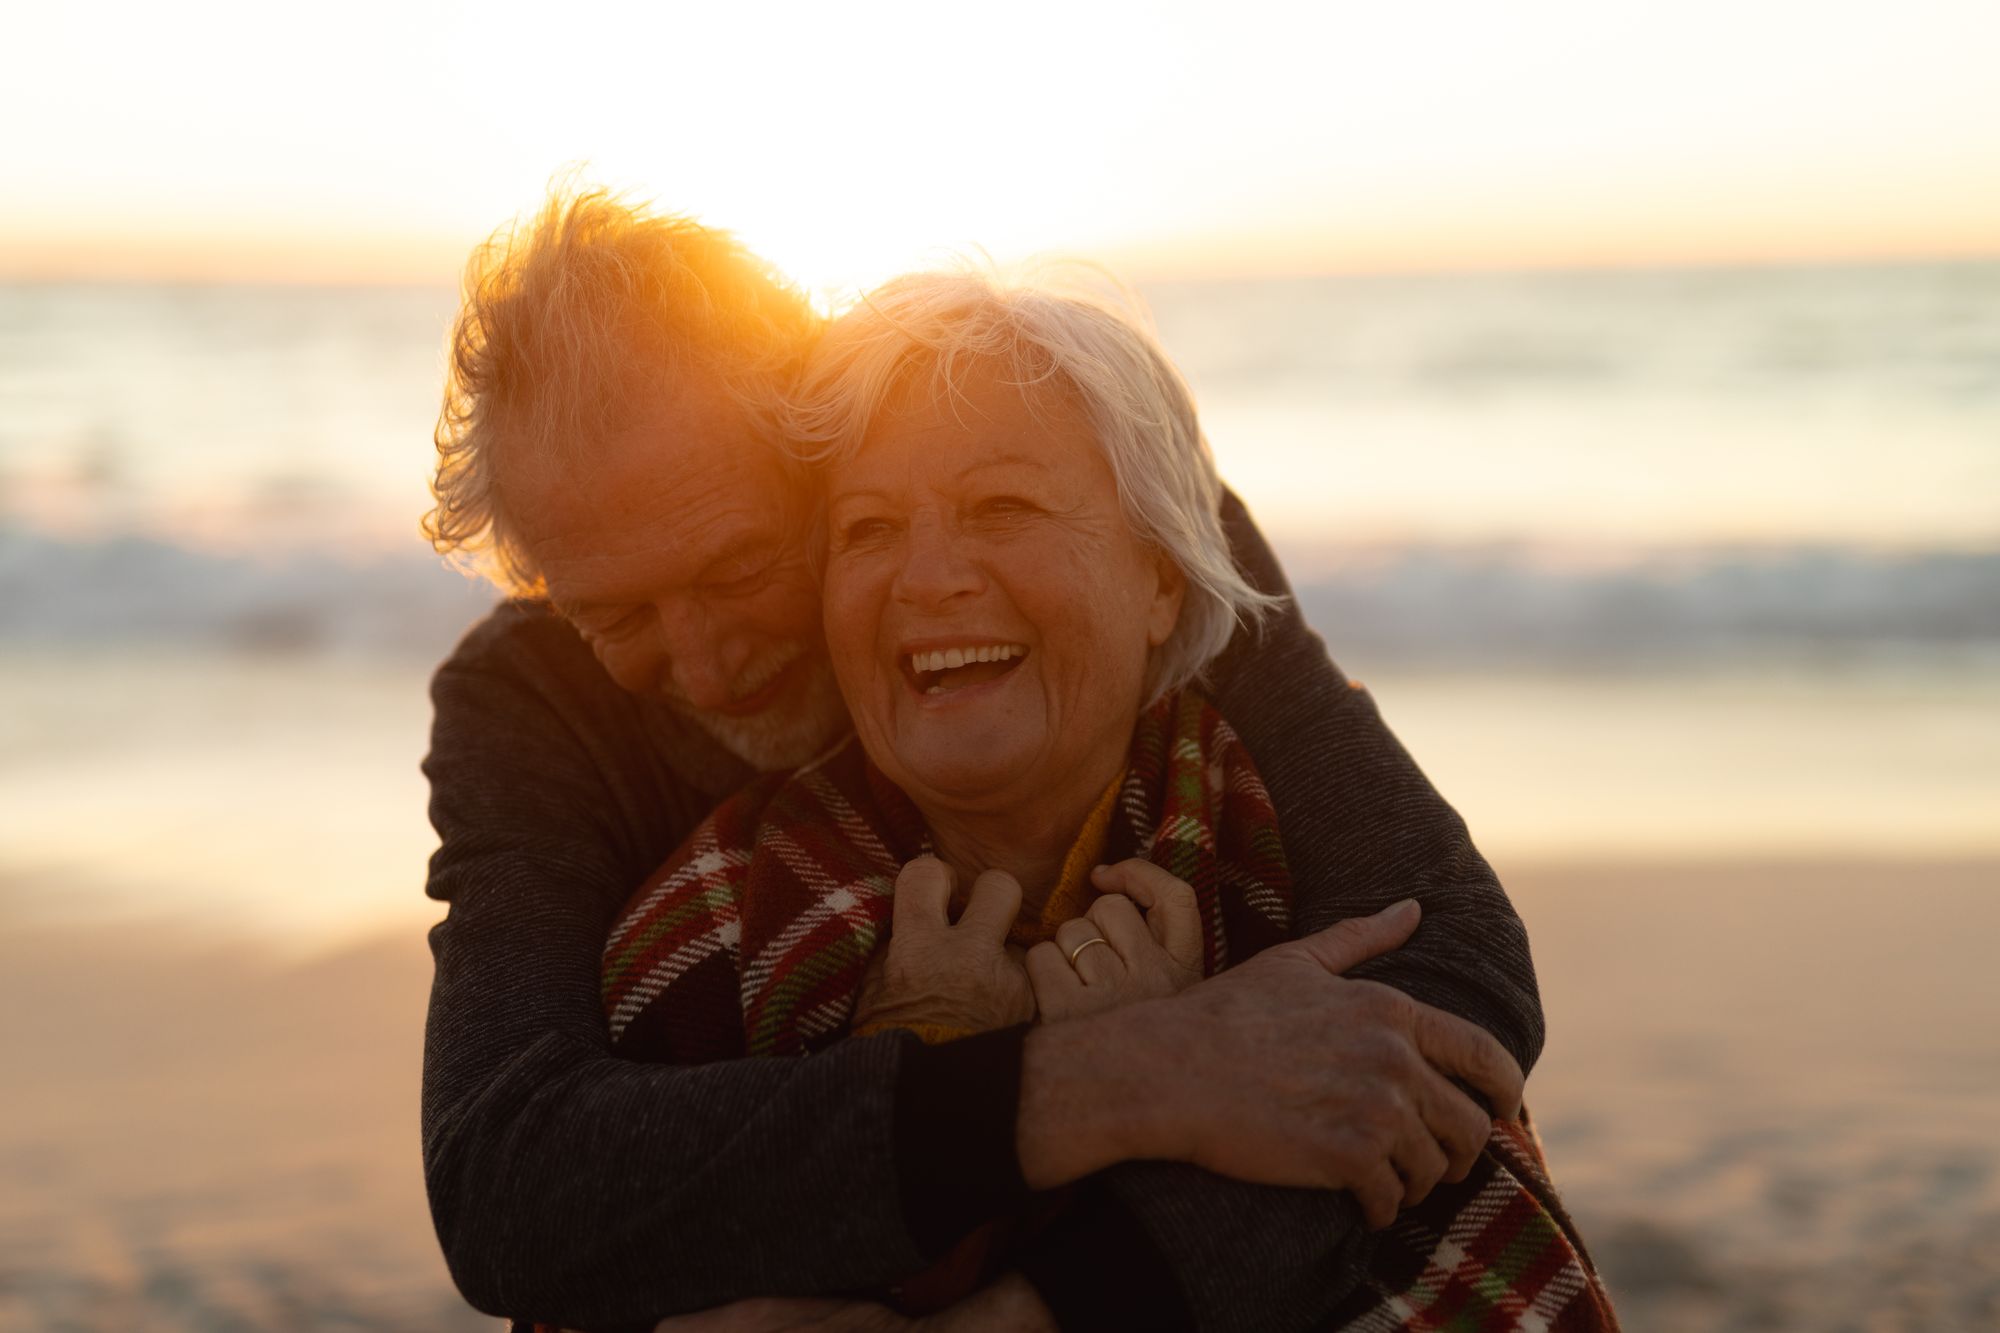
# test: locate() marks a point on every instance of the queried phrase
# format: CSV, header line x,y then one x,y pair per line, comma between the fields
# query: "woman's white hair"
x,y
1080,334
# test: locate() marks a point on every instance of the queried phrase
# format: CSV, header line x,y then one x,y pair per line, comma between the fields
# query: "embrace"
x,y
908,861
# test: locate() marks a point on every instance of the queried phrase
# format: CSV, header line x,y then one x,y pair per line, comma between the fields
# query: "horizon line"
x,y
1140,272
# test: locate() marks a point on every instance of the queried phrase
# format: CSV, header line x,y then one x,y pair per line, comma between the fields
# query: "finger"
x,y
1468,1051
923,887
1420,1161
1457,1124
1349,943
1119,921
1097,964
1172,914
995,902
1054,981
1379,1191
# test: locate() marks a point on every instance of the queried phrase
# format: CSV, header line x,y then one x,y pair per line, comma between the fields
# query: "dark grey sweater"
x,y
574,1188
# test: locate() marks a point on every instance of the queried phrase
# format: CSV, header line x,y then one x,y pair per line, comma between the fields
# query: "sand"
x,y
1771,1096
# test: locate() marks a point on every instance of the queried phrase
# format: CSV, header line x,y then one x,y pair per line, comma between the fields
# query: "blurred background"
x,y
1620,381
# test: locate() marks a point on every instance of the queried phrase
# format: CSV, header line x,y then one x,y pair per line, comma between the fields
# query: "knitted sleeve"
x,y
1362,825
1362,828
574,1188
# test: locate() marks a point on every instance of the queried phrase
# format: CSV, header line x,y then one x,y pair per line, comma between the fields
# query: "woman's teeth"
x,y
951,658
969,665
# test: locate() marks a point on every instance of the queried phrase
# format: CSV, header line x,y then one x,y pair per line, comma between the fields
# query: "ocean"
x,y
1700,559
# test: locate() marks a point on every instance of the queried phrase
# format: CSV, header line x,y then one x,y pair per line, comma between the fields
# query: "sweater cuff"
x,y
1095,1267
957,1165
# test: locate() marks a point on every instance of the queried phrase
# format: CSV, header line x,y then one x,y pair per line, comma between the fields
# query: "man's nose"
x,y
702,665
937,566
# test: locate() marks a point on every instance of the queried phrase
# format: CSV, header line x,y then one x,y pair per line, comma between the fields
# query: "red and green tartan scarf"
x,y
754,936
1494,1253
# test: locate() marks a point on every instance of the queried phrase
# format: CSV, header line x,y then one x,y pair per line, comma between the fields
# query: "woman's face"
x,y
979,530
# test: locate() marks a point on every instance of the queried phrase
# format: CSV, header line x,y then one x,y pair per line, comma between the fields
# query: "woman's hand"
x,y
1111,956
944,979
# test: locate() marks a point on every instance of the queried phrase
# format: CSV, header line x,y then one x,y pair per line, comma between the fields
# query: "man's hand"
x,y
1135,958
938,975
1280,1072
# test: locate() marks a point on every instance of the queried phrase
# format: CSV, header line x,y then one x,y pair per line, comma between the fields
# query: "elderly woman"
x,y
1024,578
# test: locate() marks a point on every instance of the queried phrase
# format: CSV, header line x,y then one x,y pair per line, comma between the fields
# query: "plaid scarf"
x,y
754,936
1493,1253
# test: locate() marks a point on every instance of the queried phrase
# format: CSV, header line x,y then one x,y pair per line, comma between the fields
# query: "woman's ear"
x,y
1169,588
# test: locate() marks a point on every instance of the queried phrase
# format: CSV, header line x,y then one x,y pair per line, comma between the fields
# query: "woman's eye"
x,y
1006,506
863,531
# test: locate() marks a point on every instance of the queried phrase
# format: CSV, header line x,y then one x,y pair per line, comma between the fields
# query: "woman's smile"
x,y
947,672
990,613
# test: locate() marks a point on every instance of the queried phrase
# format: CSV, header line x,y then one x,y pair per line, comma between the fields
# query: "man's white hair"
x,y
1080,335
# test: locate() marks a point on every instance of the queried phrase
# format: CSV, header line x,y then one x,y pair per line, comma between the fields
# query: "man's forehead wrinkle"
x,y
698,532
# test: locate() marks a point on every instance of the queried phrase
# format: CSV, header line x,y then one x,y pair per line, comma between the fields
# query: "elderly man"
x,y
608,451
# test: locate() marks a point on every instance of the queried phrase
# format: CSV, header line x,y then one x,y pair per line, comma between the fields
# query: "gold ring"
x,y
1095,939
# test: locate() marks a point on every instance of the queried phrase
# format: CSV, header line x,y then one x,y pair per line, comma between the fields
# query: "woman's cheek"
x,y
852,618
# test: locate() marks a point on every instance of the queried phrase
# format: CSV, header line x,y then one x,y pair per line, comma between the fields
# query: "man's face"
x,y
676,546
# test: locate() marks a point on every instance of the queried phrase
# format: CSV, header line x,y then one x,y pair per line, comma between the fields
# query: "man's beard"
x,y
806,719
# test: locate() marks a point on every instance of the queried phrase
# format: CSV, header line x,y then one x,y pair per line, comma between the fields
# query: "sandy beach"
x,y
1768,1095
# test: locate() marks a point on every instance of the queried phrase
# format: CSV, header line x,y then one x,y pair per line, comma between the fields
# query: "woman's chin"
x,y
961,767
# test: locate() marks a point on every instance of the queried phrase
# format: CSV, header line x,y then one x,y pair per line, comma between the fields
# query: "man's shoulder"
x,y
517,633
523,661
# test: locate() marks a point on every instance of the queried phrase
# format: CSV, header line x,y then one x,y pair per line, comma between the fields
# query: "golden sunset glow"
x,y
1616,383
379,141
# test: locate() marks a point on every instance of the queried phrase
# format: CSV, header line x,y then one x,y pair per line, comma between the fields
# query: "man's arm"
x,y
1362,825
1362,828
576,1188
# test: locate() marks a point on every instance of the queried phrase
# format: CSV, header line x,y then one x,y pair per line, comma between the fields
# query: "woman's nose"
x,y
937,566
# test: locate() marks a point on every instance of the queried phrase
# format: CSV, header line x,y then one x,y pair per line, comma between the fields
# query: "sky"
x,y
377,141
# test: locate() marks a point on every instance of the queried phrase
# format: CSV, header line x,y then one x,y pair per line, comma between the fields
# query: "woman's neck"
x,y
1031,845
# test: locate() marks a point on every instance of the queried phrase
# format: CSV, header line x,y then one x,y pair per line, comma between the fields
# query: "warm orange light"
x,y
851,144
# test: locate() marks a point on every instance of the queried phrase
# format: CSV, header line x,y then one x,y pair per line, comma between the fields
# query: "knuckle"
x,y
1348,931
1396,1008
1107,905
1382,1123
1345,1158
1474,1132
1384,1052
1381,1004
